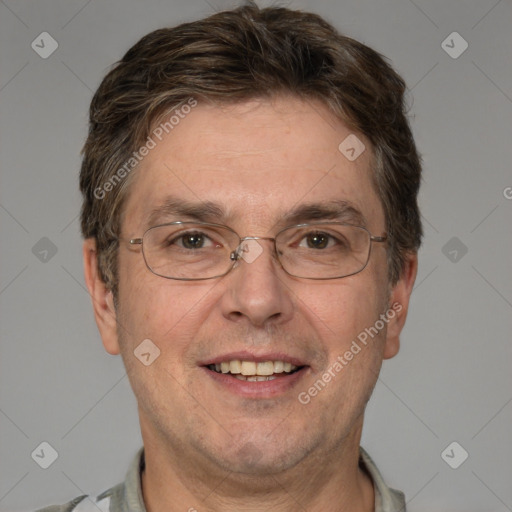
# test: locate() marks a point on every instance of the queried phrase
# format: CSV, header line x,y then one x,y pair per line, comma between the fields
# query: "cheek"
x,y
342,309
165,311
167,316
345,314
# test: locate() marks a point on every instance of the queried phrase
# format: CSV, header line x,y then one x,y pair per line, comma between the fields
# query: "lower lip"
x,y
262,389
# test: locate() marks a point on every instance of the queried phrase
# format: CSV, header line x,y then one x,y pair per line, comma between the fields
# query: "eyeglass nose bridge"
x,y
236,255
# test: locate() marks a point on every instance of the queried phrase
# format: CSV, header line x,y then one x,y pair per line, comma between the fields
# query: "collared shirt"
x,y
127,496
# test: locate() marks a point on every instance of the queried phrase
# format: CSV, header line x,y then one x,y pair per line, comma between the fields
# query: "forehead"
x,y
253,164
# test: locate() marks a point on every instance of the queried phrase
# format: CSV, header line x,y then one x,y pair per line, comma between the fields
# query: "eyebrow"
x,y
339,210
174,209
203,211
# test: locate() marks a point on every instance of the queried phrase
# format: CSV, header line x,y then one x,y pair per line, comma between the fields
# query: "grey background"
x,y
451,380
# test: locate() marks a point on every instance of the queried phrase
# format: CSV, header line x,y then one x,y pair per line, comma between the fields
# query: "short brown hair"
x,y
238,55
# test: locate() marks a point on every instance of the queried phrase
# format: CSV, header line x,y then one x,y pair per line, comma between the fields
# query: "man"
x,y
251,231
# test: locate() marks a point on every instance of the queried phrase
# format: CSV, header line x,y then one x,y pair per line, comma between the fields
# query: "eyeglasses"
x,y
192,251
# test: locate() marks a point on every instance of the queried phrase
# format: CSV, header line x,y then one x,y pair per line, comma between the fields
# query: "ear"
x,y
102,298
399,303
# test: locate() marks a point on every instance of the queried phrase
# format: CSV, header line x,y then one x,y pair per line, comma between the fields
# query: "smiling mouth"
x,y
252,371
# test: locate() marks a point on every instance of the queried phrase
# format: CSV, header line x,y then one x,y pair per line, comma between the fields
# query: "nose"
x,y
255,289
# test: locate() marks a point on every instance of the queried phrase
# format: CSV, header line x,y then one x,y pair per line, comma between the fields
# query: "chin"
x,y
262,457
256,464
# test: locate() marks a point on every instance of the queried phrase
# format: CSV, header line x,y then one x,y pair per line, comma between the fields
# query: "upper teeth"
x,y
252,368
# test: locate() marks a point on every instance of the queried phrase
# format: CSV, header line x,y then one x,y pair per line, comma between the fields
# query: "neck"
x,y
176,480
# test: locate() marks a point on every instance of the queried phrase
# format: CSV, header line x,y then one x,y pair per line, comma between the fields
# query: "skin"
x,y
208,448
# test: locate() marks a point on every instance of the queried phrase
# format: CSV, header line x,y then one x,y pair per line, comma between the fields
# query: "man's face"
x,y
257,161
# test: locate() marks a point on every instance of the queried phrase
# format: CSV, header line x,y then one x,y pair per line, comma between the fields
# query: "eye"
x,y
317,240
192,240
